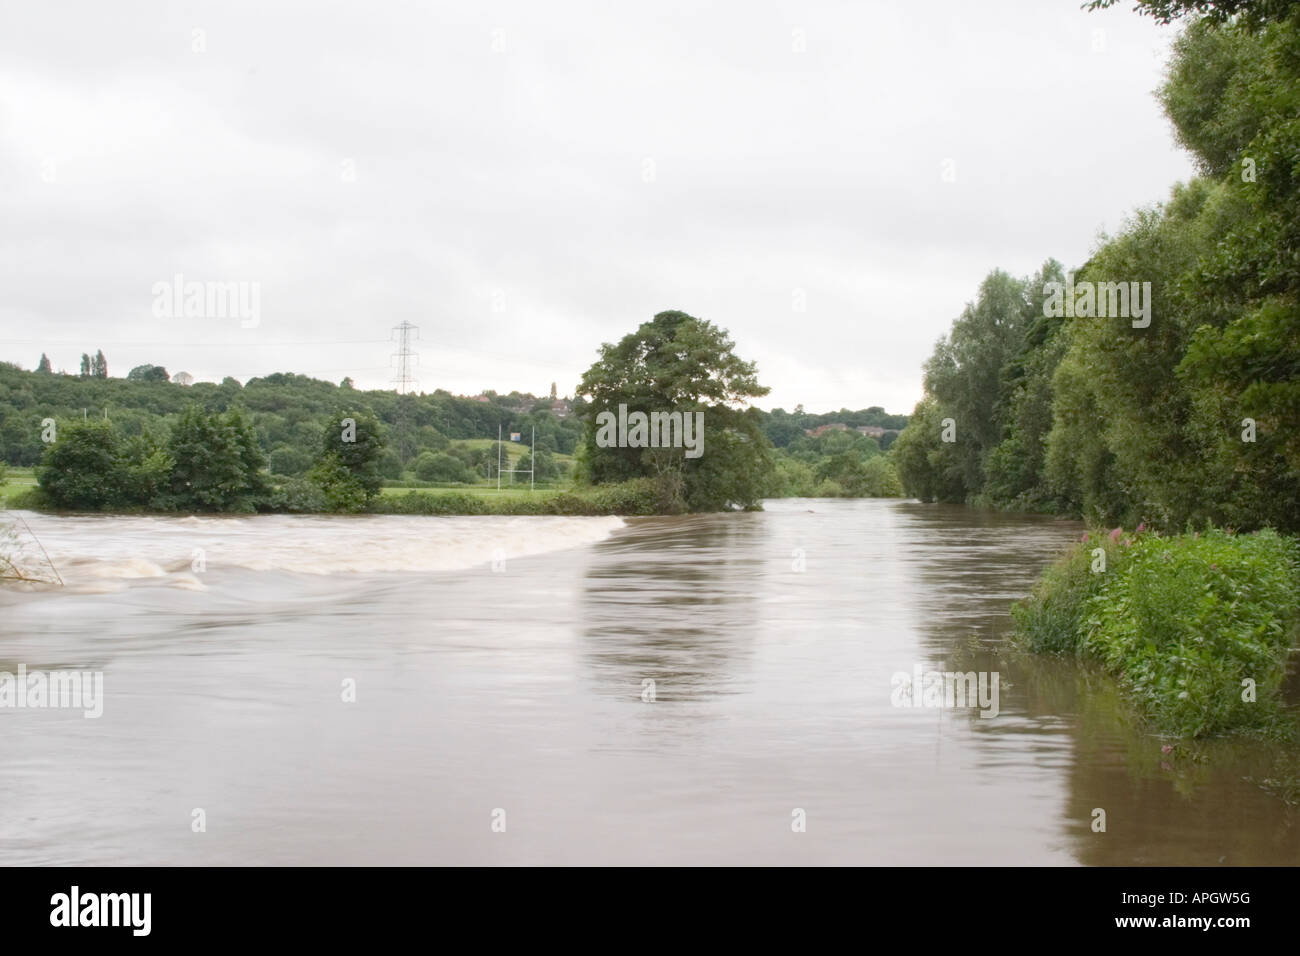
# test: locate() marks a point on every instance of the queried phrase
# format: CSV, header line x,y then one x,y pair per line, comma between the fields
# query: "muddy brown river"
x,y
702,689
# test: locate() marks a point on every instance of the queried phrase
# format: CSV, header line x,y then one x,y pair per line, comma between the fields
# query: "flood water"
x,y
502,671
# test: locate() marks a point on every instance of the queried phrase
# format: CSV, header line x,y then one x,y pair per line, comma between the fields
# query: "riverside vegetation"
x,y
1188,425
289,443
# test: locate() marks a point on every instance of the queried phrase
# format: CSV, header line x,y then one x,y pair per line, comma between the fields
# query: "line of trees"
x,y
207,462
288,412
1195,418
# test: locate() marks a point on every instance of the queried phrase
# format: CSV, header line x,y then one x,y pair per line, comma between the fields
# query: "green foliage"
x,y
1253,13
791,478
340,489
296,495
217,463
1180,621
1195,417
291,461
678,363
286,410
148,373
441,467
856,477
30,498
209,462
547,468
1189,619
390,465
786,428
928,467
348,464
84,469
1050,620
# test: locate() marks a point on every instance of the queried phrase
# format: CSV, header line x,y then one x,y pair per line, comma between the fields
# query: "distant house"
x,y
481,398
562,408
183,378
823,429
871,431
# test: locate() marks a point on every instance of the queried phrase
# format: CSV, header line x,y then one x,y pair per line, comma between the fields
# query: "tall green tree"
x,y
677,363
148,373
217,462
347,466
83,469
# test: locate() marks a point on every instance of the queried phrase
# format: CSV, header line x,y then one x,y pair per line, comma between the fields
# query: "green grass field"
x,y
15,480
513,450
512,453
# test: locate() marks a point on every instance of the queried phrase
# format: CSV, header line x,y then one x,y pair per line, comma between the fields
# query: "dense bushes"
x,y
440,466
1182,622
835,464
209,461
84,468
212,463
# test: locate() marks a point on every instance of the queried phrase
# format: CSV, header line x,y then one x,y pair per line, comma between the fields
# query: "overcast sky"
x,y
524,181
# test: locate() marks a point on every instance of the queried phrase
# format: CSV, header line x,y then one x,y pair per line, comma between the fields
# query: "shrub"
x,y
390,464
31,498
1189,619
83,469
217,464
439,466
1050,620
1181,622
828,489
340,487
295,495
287,460
354,443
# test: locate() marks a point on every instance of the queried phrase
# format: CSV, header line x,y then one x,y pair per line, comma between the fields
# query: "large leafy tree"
x,y
679,363
966,376
148,373
83,469
217,462
347,467
1252,13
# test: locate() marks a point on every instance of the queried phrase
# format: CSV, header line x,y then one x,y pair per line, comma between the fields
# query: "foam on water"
x,y
94,551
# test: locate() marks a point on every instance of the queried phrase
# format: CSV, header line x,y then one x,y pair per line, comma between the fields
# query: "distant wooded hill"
x,y
289,410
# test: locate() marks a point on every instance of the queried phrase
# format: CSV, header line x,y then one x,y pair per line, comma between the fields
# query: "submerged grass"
x,y
1196,628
